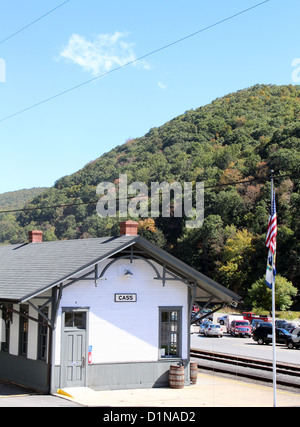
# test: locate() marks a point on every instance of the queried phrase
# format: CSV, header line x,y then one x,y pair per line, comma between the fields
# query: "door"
x,y
74,349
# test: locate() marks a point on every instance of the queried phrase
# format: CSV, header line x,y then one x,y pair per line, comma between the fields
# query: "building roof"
x,y
27,270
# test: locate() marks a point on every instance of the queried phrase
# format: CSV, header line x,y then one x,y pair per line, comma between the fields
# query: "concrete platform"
x,y
210,391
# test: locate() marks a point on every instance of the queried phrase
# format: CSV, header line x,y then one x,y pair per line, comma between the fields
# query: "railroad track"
x,y
287,375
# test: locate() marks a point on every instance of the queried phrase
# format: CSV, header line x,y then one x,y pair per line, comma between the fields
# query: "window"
x,y
23,330
75,319
43,336
170,331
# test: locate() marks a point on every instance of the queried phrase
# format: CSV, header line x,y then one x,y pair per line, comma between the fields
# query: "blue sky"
x,y
84,39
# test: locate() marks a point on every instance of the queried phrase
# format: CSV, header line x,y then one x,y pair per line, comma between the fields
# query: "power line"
x,y
132,62
33,22
94,202
249,181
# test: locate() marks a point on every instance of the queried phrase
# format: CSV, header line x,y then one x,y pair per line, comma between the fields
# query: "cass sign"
x,y
125,297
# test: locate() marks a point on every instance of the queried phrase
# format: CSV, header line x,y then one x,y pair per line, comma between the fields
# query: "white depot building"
x,y
106,313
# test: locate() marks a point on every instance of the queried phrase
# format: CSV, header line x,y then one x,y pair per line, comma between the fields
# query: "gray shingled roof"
x,y
33,267
29,269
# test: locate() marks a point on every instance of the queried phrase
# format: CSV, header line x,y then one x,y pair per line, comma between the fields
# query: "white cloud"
x,y
161,85
102,54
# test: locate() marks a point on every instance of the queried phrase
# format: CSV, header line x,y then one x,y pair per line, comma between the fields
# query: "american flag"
x,y
272,228
271,244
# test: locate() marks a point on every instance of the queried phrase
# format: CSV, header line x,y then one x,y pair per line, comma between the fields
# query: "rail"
x,y
287,375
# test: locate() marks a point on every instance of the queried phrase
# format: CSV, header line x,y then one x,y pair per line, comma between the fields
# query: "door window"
x,y
75,319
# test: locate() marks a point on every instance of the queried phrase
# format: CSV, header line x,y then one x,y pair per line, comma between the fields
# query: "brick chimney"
x,y
35,236
128,228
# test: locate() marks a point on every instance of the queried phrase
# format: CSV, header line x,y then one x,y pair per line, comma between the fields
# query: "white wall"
x,y
127,331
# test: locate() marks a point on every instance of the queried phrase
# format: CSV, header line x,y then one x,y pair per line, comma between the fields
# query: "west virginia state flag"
x,y
271,270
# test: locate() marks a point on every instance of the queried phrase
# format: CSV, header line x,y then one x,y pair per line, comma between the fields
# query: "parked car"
x,y
206,312
280,323
240,328
213,330
222,319
294,340
255,323
230,319
249,315
289,327
204,325
263,335
195,318
260,324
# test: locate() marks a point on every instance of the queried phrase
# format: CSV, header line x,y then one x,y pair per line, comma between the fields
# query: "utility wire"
x,y
132,62
33,22
94,202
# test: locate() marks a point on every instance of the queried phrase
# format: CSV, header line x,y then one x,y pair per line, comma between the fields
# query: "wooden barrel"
x,y
176,376
193,372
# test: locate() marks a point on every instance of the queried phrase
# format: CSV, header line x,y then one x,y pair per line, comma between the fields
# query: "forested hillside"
x,y
17,199
241,136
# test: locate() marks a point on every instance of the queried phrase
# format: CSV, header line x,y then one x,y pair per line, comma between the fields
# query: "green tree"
x,y
236,259
260,296
10,231
49,234
149,231
201,247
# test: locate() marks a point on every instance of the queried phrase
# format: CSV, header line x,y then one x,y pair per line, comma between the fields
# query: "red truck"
x,y
248,315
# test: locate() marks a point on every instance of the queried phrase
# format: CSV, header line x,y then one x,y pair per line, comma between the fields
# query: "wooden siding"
x,y
121,332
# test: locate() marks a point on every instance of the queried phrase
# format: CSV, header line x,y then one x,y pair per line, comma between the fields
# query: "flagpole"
x,y
273,313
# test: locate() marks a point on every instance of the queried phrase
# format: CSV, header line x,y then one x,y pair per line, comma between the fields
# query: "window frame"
x,y
178,332
43,336
7,317
23,332
77,323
